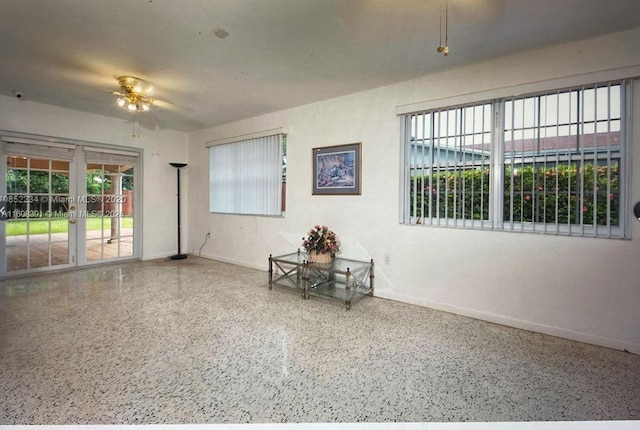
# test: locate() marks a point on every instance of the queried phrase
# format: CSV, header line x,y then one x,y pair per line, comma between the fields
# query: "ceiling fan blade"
x,y
171,106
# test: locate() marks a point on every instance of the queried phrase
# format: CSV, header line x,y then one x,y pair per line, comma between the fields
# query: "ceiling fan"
x,y
135,94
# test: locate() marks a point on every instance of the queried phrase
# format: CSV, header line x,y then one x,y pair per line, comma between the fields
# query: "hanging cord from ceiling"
x,y
133,124
444,50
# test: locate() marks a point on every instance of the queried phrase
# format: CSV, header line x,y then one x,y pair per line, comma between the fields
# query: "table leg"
x,y
270,272
305,281
371,276
347,300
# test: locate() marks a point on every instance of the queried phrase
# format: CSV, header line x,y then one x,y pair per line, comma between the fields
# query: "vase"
x,y
320,257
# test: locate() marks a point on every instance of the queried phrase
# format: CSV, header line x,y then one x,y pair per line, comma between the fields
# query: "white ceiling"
x,y
279,53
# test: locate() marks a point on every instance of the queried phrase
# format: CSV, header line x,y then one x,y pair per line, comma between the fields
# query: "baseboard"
x,y
264,267
157,256
517,323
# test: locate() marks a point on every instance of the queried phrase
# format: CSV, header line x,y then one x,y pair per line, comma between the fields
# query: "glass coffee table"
x,y
343,279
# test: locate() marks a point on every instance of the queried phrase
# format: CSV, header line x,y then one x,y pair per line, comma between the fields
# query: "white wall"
x,y
584,289
160,147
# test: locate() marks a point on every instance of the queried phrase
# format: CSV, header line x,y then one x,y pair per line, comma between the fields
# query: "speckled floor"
x,y
197,341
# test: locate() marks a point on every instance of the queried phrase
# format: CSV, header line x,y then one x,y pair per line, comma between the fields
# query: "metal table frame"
x,y
343,279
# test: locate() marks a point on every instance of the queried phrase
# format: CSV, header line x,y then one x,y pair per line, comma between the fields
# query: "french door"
x,y
65,205
37,228
106,215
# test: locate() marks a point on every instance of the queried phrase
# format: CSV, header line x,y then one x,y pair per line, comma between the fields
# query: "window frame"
x,y
498,161
279,195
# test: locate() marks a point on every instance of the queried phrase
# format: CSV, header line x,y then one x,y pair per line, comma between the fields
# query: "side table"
x,y
342,279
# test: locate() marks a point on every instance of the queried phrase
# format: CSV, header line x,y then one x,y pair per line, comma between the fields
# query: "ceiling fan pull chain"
x,y
133,125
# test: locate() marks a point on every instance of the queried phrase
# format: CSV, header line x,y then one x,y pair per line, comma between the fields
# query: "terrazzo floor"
x,y
198,341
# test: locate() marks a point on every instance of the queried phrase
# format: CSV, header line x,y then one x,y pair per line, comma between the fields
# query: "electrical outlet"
x,y
387,259
208,235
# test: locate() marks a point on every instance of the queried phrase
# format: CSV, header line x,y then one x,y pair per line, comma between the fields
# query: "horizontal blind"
x,y
44,151
109,157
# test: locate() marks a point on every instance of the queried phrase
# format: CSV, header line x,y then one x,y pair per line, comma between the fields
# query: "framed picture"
x,y
337,169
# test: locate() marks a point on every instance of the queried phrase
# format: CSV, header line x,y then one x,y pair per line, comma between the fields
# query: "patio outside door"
x,y
108,217
65,205
38,229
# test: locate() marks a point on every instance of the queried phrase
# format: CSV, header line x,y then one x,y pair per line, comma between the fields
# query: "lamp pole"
x,y
178,166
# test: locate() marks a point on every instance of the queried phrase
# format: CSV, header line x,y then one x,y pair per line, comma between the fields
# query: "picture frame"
x,y
337,170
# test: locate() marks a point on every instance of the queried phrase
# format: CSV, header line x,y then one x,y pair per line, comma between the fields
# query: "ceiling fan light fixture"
x,y
134,94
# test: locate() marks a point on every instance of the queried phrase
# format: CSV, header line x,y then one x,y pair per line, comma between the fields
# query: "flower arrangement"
x,y
321,240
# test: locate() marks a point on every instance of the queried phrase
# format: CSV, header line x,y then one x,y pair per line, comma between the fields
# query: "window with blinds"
x,y
552,162
247,177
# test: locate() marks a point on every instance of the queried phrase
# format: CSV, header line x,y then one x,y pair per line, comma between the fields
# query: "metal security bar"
x,y
562,161
448,155
552,162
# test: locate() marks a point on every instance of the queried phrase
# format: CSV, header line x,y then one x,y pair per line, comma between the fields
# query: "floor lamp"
x,y
178,256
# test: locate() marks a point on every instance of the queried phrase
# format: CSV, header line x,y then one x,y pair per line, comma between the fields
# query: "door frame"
x,y
77,168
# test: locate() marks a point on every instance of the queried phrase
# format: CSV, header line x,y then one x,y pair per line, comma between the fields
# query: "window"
x,y
248,176
449,153
552,162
